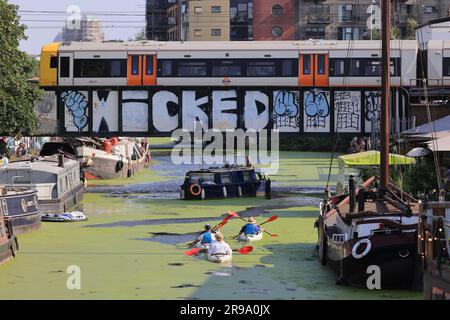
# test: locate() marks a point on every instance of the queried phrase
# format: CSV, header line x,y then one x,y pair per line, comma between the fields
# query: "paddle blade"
x,y
272,218
273,235
245,250
232,213
193,251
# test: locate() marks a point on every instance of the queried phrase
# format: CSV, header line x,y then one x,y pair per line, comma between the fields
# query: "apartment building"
x,y
208,20
275,19
89,29
164,20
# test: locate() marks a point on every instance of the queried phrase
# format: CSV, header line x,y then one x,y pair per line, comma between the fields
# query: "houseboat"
x,y
228,181
102,158
56,179
434,249
8,241
20,207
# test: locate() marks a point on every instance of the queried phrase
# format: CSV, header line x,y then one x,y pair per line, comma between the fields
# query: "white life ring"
x,y
365,252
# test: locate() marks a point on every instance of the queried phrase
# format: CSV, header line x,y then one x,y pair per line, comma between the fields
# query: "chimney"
x,y
60,160
352,193
361,199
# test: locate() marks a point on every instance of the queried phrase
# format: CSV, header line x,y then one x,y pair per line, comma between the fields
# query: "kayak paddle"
x,y
243,250
272,218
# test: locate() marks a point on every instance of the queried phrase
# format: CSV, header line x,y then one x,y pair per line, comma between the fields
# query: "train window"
x,y
373,68
321,64
338,69
289,68
53,62
446,64
356,68
134,65
227,68
96,68
148,65
64,67
261,69
166,68
192,69
115,68
306,64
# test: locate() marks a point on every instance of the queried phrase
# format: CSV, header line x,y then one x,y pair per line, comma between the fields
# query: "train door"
x,y
134,70
313,70
65,70
149,70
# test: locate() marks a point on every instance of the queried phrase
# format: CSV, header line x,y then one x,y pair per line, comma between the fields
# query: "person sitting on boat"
x,y
219,247
207,236
251,227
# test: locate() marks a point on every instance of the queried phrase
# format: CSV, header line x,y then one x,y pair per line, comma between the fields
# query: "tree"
x,y
139,36
411,26
17,94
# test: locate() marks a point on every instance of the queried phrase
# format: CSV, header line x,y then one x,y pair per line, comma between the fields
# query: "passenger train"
x,y
313,63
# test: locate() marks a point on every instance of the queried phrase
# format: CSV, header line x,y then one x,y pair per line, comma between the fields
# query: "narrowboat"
x,y
20,207
56,179
8,241
228,181
434,249
102,158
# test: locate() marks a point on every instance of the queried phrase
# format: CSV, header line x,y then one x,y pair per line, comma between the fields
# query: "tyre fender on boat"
x,y
195,189
357,245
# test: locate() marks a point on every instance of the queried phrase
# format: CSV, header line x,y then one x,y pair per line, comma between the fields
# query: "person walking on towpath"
x,y
219,247
251,228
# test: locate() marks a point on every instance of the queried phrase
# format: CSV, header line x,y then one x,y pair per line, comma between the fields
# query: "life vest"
x,y
251,228
206,238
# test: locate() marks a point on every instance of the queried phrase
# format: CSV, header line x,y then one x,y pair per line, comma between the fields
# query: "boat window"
x,y
192,69
226,68
247,176
225,178
446,65
201,177
64,68
67,183
261,69
61,185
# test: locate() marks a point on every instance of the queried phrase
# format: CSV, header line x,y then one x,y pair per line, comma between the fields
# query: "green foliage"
x,y
411,26
139,36
17,95
421,178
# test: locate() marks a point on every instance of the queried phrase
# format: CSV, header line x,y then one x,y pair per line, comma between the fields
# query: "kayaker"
x,y
207,236
251,227
219,247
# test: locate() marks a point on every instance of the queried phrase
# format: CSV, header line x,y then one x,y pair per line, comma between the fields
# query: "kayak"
x,y
219,258
201,245
251,237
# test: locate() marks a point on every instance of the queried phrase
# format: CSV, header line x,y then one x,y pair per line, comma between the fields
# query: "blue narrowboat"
x,y
225,182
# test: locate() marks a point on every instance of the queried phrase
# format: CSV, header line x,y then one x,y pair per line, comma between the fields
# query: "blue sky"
x,y
40,36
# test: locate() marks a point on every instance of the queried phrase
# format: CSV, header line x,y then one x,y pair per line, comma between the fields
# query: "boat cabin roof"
x,y
44,164
222,170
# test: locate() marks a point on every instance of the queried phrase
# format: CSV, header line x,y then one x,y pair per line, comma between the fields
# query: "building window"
x,y
277,10
198,32
345,12
215,9
349,33
315,33
319,13
216,32
198,9
430,9
277,32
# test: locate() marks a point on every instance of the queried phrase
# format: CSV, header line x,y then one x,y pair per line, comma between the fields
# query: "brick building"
x,y
275,19
164,20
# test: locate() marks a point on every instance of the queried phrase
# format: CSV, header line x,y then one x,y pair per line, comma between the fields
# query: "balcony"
x,y
313,19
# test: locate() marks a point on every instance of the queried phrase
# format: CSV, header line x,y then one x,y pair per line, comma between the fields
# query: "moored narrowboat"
x,y
228,181
20,207
56,179
8,241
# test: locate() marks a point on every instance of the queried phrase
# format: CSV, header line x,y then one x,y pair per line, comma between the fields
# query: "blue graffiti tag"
x,y
317,104
76,102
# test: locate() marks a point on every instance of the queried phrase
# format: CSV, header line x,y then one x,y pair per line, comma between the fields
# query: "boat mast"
x,y
385,91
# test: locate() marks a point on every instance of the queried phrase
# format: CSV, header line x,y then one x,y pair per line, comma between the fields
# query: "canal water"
x,y
132,245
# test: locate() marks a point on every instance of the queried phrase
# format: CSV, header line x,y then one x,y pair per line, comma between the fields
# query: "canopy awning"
x,y
441,144
372,158
439,125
